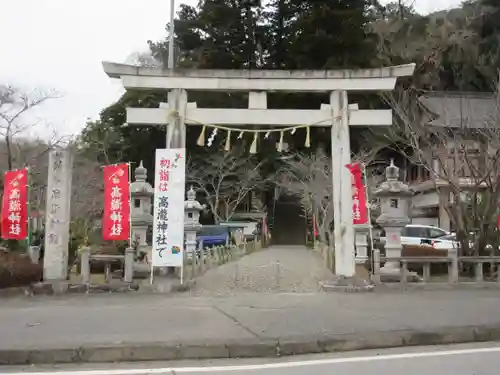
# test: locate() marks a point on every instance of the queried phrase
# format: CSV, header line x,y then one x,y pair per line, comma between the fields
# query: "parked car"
x,y
451,242
448,242
414,234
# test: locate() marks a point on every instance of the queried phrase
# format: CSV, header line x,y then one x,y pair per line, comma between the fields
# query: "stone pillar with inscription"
x,y
57,220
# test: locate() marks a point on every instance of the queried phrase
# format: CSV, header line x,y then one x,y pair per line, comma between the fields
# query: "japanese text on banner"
x,y
15,205
359,204
168,225
116,220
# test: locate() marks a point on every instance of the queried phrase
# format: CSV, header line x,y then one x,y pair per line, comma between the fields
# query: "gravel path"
x,y
279,269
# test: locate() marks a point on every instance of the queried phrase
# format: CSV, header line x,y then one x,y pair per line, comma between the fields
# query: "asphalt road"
x,y
483,359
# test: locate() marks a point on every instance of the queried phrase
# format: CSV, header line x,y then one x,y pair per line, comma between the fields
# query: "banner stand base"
x,y
164,285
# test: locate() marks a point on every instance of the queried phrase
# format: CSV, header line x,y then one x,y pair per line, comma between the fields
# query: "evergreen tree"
x,y
320,34
112,142
488,29
217,34
243,34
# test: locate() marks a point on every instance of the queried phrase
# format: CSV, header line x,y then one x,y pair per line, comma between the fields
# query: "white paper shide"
x,y
168,224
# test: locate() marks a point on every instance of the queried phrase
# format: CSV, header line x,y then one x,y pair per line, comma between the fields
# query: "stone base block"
x,y
58,286
394,276
347,284
362,271
142,270
164,285
115,287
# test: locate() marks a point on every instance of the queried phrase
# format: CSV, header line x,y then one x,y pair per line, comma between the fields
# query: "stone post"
x,y
394,198
85,264
34,253
361,241
361,246
376,266
129,265
55,264
192,224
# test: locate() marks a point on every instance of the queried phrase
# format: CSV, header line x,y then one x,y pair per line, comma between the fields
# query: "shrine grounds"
x,y
264,313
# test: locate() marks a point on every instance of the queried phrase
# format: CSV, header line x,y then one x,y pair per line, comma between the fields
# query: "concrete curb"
x,y
47,289
250,347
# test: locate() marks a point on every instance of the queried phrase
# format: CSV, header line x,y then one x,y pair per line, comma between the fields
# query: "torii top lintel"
x,y
145,78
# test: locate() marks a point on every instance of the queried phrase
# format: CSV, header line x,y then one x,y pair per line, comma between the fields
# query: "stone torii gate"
x,y
338,115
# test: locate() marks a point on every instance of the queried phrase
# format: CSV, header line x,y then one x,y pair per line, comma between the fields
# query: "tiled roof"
x,y
459,110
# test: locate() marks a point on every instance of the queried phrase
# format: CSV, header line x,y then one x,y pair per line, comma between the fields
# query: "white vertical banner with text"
x,y
168,223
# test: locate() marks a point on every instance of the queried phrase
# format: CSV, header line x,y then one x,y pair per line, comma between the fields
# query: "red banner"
x,y
15,205
315,226
116,219
359,207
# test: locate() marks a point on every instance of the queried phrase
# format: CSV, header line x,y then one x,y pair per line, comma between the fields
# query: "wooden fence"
x,y
211,257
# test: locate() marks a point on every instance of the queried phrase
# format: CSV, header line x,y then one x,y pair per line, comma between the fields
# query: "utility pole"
x,y
172,139
171,38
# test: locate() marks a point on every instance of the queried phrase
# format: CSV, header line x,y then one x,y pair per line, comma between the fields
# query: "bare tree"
x,y
99,140
87,198
33,154
309,177
14,104
143,59
457,147
226,180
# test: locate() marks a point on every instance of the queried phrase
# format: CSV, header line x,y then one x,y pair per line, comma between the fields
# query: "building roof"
x,y
462,110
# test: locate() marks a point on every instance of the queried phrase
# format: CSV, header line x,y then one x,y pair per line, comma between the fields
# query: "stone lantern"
x,y
141,193
192,209
394,198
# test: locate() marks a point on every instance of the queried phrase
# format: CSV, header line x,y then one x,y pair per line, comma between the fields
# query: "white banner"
x,y
168,223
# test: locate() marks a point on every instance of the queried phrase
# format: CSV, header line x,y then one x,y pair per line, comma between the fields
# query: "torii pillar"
x,y
337,114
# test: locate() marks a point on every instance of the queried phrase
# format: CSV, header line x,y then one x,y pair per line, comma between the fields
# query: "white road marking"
x,y
318,362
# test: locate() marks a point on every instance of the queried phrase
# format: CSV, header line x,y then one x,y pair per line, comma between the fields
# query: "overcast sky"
x,y
59,44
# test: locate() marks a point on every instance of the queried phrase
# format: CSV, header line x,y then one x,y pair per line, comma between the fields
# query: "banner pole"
x,y
28,202
370,230
129,204
182,269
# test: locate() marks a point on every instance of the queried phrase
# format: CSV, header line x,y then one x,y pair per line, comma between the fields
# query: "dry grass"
x,y
17,270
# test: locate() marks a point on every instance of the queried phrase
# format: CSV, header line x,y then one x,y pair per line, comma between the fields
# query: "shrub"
x,y
425,251
17,270
418,251
422,251
412,250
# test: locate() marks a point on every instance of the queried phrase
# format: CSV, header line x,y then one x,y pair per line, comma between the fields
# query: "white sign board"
x,y
168,223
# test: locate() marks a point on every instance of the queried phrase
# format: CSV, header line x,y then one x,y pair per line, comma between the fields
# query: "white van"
x,y
414,234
